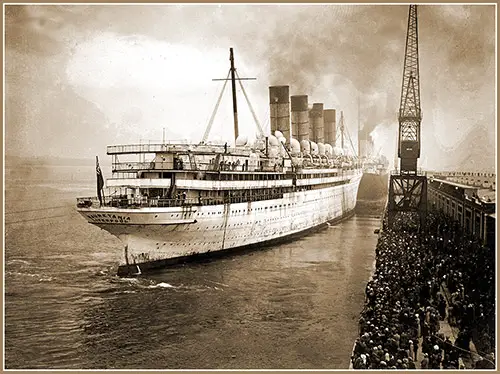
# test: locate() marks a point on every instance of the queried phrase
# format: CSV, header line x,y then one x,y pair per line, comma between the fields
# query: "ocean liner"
x,y
179,201
375,181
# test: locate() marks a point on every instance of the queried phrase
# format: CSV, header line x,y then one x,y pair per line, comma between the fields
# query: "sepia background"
x,y
81,77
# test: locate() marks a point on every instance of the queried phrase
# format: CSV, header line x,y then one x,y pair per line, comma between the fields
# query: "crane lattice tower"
x,y
408,187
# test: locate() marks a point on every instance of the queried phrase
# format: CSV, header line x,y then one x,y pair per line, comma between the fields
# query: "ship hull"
x,y
157,237
135,269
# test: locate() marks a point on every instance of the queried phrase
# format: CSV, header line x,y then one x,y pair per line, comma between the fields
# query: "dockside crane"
x,y
408,186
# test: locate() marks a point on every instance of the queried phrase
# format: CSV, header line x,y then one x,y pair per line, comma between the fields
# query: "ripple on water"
x,y
289,306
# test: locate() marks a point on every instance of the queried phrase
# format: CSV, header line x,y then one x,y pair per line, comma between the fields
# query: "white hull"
x,y
154,234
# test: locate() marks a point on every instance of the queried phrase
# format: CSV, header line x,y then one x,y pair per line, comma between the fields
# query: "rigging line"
x,y
350,140
338,137
211,121
352,146
36,210
250,106
267,120
37,219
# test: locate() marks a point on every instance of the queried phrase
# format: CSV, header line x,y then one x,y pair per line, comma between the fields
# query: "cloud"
x,y
41,29
144,84
110,60
152,65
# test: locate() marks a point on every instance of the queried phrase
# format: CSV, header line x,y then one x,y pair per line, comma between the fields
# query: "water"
x,y
292,306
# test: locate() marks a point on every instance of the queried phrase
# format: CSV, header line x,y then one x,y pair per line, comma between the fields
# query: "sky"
x,y
81,77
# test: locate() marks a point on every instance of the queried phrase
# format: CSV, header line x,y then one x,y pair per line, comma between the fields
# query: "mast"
x,y
232,72
342,130
233,85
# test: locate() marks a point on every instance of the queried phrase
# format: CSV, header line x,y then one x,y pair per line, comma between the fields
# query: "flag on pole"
x,y
100,180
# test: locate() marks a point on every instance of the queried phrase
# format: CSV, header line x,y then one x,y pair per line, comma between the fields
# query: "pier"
x,y
431,300
430,303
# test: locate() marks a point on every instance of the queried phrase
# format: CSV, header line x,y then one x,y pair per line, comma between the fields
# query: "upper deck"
x,y
214,157
177,147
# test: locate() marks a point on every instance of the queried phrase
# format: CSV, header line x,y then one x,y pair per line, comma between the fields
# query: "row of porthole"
x,y
186,244
248,223
248,210
228,226
177,215
234,212
242,224
260,221
245,236
218,242
272,207
275,206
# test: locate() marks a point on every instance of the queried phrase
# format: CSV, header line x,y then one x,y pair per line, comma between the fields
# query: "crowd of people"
x,y
423,277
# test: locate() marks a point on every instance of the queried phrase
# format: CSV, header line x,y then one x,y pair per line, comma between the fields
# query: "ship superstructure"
x,y
179,201
372,160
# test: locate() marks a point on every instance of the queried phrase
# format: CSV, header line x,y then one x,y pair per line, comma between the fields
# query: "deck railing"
x,y
140,148
151,202
174,146
127,203
125,166
208,166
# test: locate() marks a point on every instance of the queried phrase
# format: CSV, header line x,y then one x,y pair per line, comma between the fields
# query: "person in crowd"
x,y
423,277
442,307
424,364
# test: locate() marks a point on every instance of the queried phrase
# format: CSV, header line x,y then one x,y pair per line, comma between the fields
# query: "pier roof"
x,y
475,193
486,195
455,184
